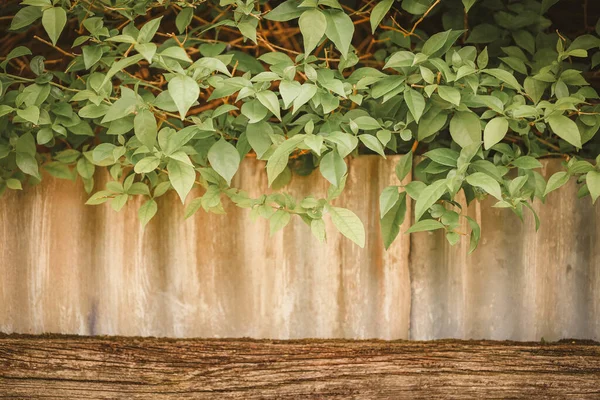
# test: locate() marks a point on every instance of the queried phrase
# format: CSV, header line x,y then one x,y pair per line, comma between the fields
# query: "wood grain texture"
x,y
71,268
136,368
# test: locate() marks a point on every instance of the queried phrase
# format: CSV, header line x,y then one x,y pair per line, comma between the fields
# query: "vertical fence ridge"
x,y
76,269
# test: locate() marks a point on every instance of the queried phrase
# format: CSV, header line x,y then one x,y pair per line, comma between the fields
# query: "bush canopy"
x,y
173,94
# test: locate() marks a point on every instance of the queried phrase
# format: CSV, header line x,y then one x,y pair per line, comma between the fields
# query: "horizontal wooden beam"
x,y
142,368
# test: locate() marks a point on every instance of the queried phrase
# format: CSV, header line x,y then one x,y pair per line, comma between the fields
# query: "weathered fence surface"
x,y
70,268
134,368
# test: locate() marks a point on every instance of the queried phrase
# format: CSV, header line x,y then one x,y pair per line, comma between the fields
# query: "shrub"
x,y
172,94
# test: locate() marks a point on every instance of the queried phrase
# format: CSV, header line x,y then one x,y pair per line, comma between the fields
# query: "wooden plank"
x,y
147,368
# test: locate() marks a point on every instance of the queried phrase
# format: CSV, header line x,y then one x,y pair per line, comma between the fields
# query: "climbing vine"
x,y
174,94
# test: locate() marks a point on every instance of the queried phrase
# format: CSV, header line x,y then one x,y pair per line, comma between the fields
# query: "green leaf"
x,y
278,221
468,4
144,126
269,100
367,123
404,166
146,165
527,162
425,225
28,164
184,18
415,102
390,223
592,179
147,211
258,135
556,181
315,142
313,24
443,156
31,114
388,199
285,11
450,94
317,227
25,17
184,91
91,55
465,128
379,12
485,182
348,224
225,159
54,20
279,159
254,111
429,196
182,177
372,143
148,50
494,131
340,30
475,234
85,168
333,167
431,123
14,184
504,76
566,129
148,30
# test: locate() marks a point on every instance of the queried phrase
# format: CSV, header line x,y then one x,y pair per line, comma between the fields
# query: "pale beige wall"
x,y
70,268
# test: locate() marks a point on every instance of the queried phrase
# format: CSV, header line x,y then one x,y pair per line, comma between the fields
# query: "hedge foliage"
x,y
173,94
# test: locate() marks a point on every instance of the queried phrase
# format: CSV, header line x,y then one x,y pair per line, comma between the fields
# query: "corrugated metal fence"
x,y
70,268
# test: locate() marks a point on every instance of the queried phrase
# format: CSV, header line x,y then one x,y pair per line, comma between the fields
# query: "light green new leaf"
x,y
556,181
307,92
348,224
182,177
429,196
468,4
278,221
566,129
415,102
340,30
426,225
269,100
147,211
148,30
313,24
494,131
333,167
184,91
465,128
225,159
147,164
379,12
145,128
592,179
317,227
367,123
485,182
54,20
